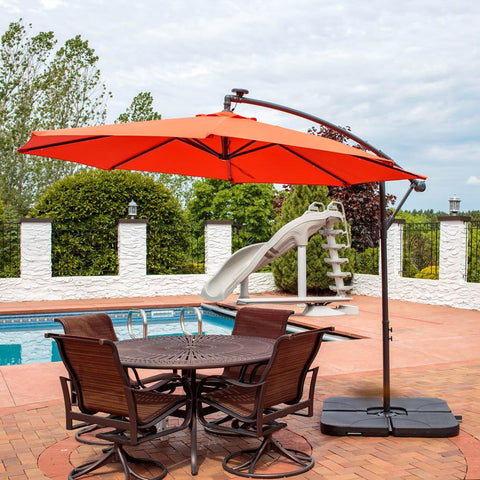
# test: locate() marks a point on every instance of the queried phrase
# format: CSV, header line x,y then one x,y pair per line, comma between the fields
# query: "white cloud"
x,y
404,79
473,180
11,7
51,4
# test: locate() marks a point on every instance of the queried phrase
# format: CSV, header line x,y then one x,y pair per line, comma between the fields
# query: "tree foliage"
x,y
419,217
141,110
86,207
42,88
248,205
284,269
361,202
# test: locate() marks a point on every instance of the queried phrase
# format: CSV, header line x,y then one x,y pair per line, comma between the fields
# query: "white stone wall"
x,y
132,248
218,245
453,235
36,282
35,248
450,289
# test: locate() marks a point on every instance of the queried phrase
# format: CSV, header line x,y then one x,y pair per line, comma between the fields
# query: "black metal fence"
x,y
9,250
367,261
421,250
84,249
75,250
185,249
473,252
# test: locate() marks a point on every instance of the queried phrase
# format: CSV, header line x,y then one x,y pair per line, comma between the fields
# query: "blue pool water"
x,y
22,336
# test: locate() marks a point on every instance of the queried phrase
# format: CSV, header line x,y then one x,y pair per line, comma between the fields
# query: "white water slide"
x,y
294,234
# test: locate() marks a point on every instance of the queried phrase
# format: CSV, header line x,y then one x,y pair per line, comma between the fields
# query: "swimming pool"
x,y
22,338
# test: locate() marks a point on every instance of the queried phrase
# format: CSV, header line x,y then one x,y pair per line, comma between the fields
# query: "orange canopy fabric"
x,y
221,145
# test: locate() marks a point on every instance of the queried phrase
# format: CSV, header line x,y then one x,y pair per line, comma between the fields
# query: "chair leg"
x,y
238,429
111,455
91,428
247,468
90,466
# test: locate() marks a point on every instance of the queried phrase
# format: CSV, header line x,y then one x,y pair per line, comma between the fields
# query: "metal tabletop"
x,y
191,352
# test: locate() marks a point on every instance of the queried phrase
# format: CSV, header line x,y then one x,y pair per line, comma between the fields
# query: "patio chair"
x,y
257,322
107,398
256,407
100,325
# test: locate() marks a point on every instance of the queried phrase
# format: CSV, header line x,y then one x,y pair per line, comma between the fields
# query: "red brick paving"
x,y
435,352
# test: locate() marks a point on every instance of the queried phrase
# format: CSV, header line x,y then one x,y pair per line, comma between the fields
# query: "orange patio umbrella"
x,y
227,146
222,145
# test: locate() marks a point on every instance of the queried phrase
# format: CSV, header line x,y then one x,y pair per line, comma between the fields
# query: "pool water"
x,y
22,338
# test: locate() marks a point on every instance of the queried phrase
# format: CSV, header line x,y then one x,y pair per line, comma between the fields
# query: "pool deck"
x,y
435,352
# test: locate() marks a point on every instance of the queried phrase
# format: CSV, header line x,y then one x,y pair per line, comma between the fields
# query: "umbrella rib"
x,y
201,146
239,152
151,149
192,142
243,147
66,142
393,166
315,165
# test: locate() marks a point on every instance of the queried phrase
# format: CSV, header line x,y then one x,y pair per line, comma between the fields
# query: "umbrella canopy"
x,y
222,145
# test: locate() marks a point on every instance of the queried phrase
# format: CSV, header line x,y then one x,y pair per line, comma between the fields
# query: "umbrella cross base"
x,y
407,417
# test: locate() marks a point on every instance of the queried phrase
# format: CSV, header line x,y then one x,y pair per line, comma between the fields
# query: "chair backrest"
x,y
96,372
261,322
94,325
291,359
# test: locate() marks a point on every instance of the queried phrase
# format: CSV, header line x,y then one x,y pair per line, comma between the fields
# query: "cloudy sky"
x,y
404,75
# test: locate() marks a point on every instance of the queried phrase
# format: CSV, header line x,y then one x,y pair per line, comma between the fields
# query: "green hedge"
x,y
85,209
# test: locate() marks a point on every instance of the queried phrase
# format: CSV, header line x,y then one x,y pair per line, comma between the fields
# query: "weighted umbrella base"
x,y
408,417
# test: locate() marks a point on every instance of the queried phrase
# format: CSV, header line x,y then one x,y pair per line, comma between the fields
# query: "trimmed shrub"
x,y
430,273
85,209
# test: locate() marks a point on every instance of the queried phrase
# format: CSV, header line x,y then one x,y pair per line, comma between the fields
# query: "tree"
x,y
141,110
248,205
41,88
284,268
86,207
361,202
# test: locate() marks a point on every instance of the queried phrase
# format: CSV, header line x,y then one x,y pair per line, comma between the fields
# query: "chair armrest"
x,y
167,384
221,381
237,399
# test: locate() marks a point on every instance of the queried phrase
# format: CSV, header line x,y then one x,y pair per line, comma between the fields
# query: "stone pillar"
x,y
218,244
132,247
453,248
36,248
395,248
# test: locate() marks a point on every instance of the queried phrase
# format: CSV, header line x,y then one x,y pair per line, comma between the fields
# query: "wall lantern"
x,y
132,209
454,205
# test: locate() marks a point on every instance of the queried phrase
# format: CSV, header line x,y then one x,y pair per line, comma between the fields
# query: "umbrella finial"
x,y
239,93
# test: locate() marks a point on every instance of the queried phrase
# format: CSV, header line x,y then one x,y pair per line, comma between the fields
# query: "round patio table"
x,y
192,352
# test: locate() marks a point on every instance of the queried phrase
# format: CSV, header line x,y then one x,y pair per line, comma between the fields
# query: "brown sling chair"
x,y
256,407
106,397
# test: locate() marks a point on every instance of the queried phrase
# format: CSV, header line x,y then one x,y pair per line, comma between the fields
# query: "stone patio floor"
x,y
435,352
